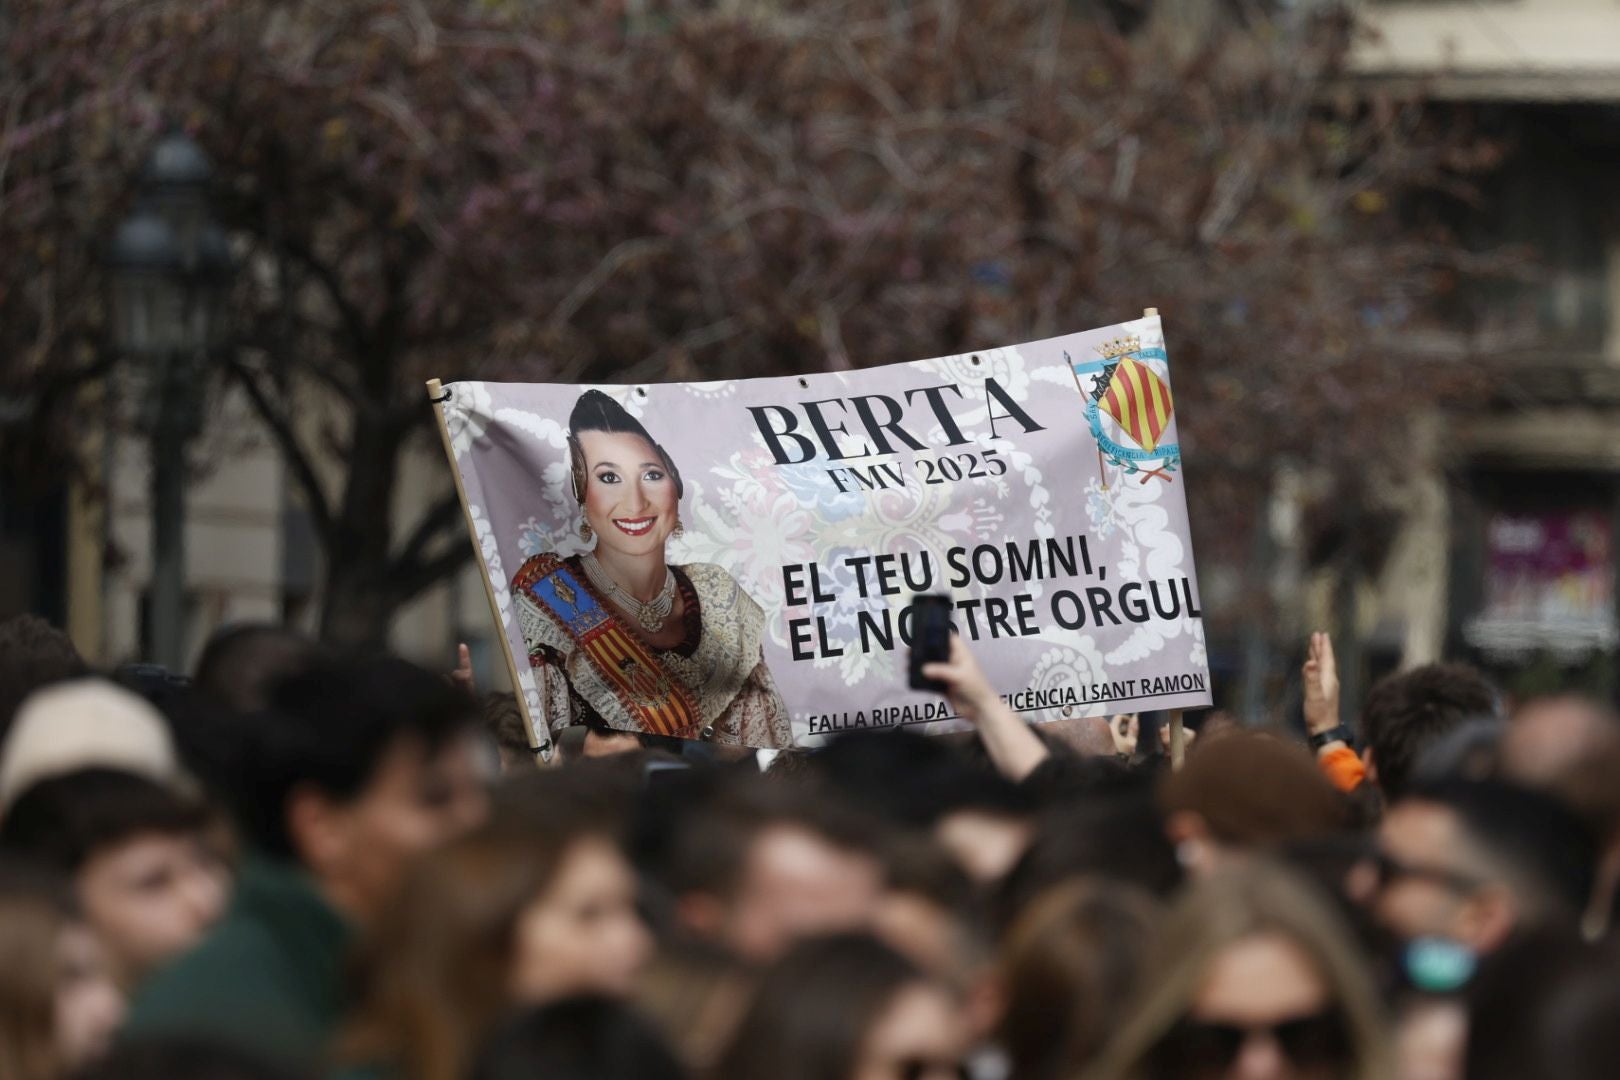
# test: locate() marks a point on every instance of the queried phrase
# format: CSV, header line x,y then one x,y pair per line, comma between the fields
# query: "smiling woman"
x,y
618,635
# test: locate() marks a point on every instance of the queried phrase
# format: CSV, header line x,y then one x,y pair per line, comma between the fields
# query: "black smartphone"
x,y
656,772
930,637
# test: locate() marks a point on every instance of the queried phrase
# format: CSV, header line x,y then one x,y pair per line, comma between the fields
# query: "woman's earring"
x,y
679,530
585,533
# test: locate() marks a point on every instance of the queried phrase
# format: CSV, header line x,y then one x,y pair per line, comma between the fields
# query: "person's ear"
x,y
1184,825
317,828
1194,844
1487,918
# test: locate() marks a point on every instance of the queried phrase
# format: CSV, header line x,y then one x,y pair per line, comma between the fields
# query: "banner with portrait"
x,y
735,561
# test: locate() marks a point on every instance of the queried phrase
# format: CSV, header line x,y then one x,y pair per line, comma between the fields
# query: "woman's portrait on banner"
x,y
619,636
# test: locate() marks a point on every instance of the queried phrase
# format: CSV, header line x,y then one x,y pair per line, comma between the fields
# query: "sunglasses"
x,y
1202,1048
1390,870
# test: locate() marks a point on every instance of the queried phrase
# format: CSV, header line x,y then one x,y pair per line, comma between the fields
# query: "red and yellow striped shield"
x,y
1139,400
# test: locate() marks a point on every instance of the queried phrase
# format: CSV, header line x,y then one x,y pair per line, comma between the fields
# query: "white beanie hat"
x,y
84,724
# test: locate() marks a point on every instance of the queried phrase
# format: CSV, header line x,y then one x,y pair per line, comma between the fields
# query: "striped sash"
x,y
660,704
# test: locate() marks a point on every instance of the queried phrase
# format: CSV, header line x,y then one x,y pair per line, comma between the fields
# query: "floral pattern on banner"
x,y
467,413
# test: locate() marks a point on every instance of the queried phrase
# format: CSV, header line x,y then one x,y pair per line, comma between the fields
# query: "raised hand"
x,y
462,676
1126,729
1321,675
1012,746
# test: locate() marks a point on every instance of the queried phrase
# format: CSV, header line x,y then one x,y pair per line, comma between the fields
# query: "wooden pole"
x,y
1178,740
539,744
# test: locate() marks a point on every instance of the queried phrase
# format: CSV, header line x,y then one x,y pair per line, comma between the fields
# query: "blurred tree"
x,y
636,190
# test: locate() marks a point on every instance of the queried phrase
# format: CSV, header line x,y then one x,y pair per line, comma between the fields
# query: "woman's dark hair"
x,y
583,1038
430,979
1070,965
813,1009
61,821
595,411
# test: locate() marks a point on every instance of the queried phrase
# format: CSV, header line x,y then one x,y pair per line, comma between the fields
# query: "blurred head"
x,y
582,933
1252,977
1243,791
241,664
59,1005
359,767
846,1007
81,724
929,910
627,487
1068,967
758,869
1114,832
518,912
1473,860
503,721
33,654
986,824
138,857
696,993
606,742
1549,738
1546,1006
581,1038
1405,714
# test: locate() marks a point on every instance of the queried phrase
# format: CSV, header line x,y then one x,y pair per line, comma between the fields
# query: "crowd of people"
x,y
294,864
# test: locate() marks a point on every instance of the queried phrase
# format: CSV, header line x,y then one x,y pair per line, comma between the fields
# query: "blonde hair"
x,y
1241,902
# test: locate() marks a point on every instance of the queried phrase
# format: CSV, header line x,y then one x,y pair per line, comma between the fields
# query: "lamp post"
x,y
170,267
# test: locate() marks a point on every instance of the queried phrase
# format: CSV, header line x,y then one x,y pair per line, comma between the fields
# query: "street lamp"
x,y
170,268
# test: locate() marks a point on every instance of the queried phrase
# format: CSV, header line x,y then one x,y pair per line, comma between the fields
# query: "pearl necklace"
x,y
650,615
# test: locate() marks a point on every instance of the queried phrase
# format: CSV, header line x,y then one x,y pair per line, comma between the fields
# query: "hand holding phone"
x,y
930,638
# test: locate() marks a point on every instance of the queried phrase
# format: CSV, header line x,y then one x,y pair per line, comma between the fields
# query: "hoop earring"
x,y
585,532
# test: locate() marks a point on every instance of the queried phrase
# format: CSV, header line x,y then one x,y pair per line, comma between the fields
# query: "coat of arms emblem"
x,y
1129,402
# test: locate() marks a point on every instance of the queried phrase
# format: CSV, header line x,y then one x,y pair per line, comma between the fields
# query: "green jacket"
x,y
267,978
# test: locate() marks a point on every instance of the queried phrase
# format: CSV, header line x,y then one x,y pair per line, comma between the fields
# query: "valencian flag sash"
x,y
660,704
1139,401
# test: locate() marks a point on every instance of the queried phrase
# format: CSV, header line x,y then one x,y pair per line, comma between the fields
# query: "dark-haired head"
x,y
729,862
1117,832
595,411
137,853
583,1038
820,1013
1408,713
1476,860
241,664
1546,1005
358,765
